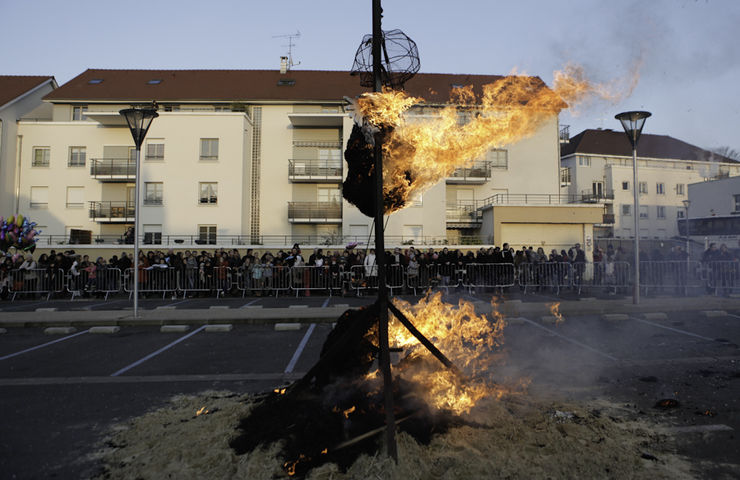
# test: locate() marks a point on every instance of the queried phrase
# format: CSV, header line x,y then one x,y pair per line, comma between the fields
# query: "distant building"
x,y
19,96
598,164
714,212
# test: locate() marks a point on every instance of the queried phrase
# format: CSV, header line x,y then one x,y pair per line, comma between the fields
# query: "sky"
x,y
688,50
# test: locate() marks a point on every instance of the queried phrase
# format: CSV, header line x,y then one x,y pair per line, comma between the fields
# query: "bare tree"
x,y
728,152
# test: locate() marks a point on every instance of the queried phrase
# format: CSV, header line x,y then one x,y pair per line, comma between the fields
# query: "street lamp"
x,y
686,204
139,120
632,122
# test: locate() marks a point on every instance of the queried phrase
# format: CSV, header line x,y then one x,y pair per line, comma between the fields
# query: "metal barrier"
x,y
489,275
546,275
35,281
395,277
606,274
362,278
101,281
677,274
442,276
258,279
152,280
307,278
722,276
207,280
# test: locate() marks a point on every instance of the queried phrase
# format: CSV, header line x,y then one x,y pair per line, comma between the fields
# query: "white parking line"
x,y
23,305
178,303
731,315
677,330
90,307
43,345
567,339
250,303
154,354
326,302
299,350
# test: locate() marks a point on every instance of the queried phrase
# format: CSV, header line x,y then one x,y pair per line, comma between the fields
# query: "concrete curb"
x,y
283,327
3,330
218,328
114,329
615,317
174,328
59,330
655,316
713,313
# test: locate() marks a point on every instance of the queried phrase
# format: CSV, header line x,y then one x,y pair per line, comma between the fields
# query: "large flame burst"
x,y
421,150
471,341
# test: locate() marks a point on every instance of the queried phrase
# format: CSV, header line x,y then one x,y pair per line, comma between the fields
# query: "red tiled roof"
x,y
244,85
13,86
611,142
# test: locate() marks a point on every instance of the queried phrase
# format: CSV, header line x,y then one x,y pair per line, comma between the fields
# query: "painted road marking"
x,y
732,315
326,302
677,330
43,345
251,303
178,303
154,354
299,350
90,307
567,339
23,305
228,377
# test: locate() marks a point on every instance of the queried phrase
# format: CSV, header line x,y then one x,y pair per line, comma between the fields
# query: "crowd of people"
x,y
230,272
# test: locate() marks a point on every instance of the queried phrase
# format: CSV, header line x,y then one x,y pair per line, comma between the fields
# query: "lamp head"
x,y
632,122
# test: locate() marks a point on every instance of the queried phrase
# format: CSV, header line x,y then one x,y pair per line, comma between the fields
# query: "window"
x,y
680,213
416,200
75,197
41,157
39,197
77,156
564,176
644,211
152,234
78,113
498,158
332,156
154,150
625,185
679,188
153,193
209,148
661,211
413,233
329,195
737,202
154,81
627,210
208,193
207,234
660,188
642,187
584,161
95,81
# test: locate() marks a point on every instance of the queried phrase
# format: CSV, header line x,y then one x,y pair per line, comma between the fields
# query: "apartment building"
x,y
713,213
255,157
19,96
597,165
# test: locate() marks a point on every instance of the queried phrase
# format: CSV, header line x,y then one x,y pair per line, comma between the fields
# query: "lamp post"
x,y
686,204
632,122
139,120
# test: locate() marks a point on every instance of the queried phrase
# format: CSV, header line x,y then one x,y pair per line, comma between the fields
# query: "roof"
x,y
14,86
616,143
245,85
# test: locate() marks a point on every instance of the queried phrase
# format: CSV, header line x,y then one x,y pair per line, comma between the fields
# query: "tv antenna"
x,y
290,45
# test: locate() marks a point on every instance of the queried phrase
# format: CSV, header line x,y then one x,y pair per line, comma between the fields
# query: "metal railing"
x,y
463,213
35,281
108,211
477,172
315,212
95,282
589,196
118,169
314,170
152,280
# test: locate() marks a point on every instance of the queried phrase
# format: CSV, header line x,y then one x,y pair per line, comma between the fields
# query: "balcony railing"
x,y
113,169
479,172
564,133
314,170
589,196
531,199
112,212
315,212
463,215
608,218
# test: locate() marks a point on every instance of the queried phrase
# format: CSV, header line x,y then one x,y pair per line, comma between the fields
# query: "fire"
x,y
348,411
469,340
279,391
427,144
555,311
201,411
290,466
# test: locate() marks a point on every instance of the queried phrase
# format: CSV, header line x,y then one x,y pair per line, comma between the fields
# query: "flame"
x,y
469,340
348,411
201,411
290,466
280,391
555,311
325,451
421,150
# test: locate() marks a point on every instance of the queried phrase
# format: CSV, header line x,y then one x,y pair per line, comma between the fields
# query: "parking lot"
x,y
62,393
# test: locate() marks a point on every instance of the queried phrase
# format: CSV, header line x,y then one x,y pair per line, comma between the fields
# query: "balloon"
x,y
19,219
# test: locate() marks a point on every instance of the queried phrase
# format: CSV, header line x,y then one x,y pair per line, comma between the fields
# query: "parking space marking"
x,y
299,350
567,339
326,302
178,303
732,315
90,307
154,354
250,303
676,330
226,377
43,345
23,305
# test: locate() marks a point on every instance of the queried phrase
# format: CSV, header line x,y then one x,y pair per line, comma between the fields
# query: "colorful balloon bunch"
x,y
19,233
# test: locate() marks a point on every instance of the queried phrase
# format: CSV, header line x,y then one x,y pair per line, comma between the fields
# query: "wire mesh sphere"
x,y
399,61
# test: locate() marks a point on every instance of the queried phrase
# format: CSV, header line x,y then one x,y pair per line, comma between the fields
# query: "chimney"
x,y
283,65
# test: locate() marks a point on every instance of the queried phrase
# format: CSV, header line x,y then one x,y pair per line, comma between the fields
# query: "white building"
x,y
19,96
598,163
714,212
254,157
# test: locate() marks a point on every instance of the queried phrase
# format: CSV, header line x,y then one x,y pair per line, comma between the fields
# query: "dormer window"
x,y
95,81
154,81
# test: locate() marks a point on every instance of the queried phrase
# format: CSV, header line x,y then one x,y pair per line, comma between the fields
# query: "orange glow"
x,y
280,391
201,411
348,411
555,311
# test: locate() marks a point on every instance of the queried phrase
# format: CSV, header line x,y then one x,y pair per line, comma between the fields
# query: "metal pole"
x,y
688,245
136,234
636,287
385,357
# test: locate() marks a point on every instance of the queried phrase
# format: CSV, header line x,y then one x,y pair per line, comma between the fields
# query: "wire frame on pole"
x,y
139,120
632,122
399,60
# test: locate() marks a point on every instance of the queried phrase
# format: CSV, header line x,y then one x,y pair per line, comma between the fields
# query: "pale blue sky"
x,y
689,79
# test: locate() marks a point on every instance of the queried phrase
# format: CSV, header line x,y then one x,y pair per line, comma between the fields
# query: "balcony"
x,y
113,169
463,215
608,219
589,196
311,171
112,212
564,133
315,212
478,173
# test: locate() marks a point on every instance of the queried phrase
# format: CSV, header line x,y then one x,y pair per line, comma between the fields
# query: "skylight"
x,y
154,81
95,81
